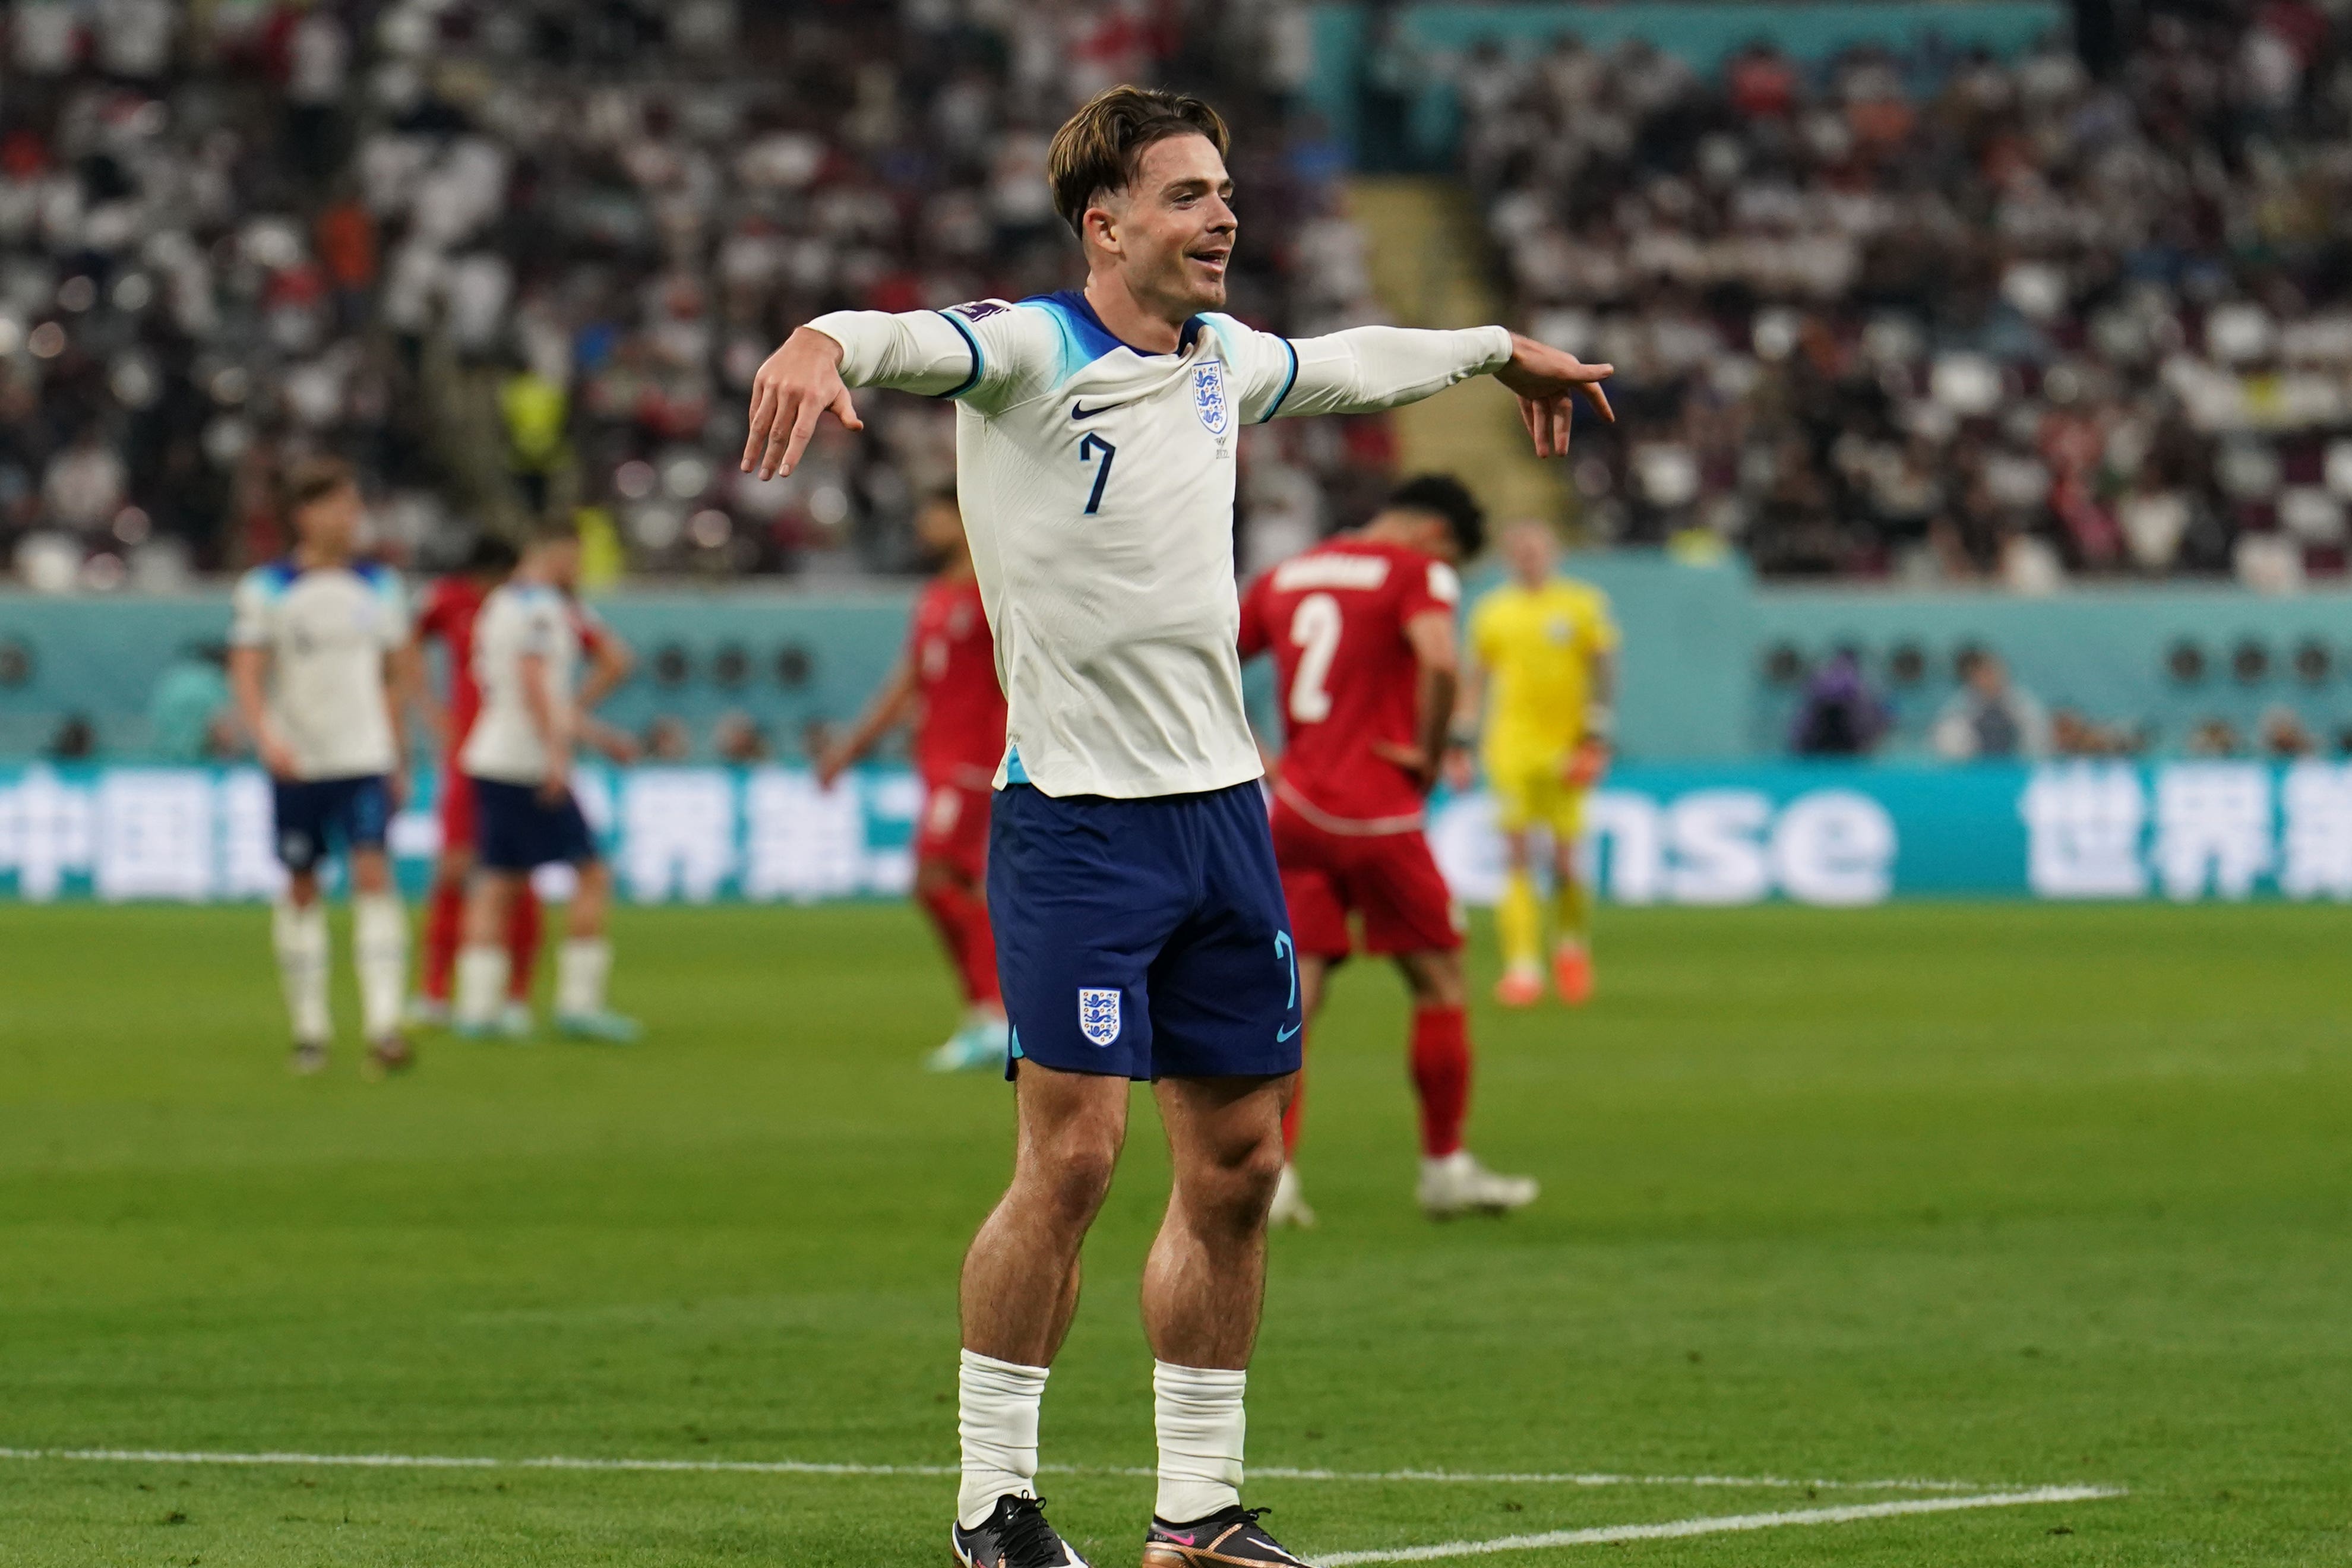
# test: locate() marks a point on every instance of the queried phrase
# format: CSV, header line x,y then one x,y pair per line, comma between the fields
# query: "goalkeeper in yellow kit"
x,y
1542,667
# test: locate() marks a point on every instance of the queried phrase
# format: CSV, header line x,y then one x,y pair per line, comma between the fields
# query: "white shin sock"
x,y
996,1422
299,935
481,983
1198,1412
580,967
380,951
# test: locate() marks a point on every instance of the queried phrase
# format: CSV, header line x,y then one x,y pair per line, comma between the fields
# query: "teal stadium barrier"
x,y
1836,834
1698,665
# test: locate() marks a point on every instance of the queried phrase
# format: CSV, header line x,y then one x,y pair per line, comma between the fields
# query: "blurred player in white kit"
x,y
519,761
324,668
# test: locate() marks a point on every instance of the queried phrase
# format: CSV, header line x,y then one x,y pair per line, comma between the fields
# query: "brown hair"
x,y
307,480
1097,148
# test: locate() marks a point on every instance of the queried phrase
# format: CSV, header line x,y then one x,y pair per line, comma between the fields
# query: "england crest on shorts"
x,y
1098,1014
1209,396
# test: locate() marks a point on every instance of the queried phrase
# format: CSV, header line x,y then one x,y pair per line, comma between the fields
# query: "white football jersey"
x,y
518,618
1096,484
327,631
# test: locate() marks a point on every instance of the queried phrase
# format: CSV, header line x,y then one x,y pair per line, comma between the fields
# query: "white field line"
x,y
1720,1524
812,1467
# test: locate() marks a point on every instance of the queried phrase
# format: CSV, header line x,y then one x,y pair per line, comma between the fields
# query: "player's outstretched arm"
x,y
984,351
1364,369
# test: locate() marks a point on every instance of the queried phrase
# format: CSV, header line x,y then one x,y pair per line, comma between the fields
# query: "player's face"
x,y
1175,228
559,563
331,522
1529,550
938,528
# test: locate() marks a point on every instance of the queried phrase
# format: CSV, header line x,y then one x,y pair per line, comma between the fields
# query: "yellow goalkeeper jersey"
x,y
1538,645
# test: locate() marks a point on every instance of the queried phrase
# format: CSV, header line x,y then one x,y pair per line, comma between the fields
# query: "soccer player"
x,y
517,761
324,669
1139,923
1548,646
1361,631
449,614
947,681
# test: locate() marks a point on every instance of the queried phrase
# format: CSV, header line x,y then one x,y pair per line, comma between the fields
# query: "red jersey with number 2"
x,y
1334,620
961,736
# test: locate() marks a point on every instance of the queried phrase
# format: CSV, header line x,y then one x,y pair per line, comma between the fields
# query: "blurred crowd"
x,y
523,256
1944,318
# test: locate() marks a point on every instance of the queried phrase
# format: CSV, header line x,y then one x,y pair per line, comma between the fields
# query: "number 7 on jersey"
x,y
1087,450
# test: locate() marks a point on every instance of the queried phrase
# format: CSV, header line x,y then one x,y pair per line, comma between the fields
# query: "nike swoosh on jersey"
x,y
1080,411
1282,1035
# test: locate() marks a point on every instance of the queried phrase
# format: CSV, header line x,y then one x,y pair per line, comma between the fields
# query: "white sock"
x,y
481,983
299,935
996,1422
380,951
580,965
1198,1412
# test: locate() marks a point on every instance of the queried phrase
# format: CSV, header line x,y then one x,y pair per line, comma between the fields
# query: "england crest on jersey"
x,y
1209,396
1098,1014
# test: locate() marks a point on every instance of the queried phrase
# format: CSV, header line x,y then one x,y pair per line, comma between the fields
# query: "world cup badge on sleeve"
x,y
1098,1014
1209,396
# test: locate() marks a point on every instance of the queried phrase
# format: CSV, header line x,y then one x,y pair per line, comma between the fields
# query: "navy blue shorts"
x,y
315,817
517,831
1143,939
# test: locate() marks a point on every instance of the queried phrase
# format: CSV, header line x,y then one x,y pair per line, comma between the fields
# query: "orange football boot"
x,y
1571,973
1520,988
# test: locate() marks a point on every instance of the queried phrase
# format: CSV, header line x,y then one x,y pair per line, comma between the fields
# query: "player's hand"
x,y
1586,764
1461,772
276,756
830,766
396,785
1547,380
556,782
1412,760
799,383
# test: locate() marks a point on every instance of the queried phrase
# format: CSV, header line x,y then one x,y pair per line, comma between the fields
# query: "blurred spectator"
x,y
666,740
2214,738
2284,735
1840,714
2074,735
189,718
1989,718
75,741
738,739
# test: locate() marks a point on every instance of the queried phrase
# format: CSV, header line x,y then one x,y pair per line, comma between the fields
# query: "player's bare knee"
x,y
1070,1175
1231,1188
302,889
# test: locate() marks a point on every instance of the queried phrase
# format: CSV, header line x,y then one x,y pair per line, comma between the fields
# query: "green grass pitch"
x,y
2012,1196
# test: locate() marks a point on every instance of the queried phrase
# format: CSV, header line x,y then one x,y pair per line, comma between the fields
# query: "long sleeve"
x,y
915,351
1368,368
986,353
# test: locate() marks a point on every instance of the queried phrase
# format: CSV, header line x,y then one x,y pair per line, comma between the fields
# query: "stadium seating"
x,y
510,256
1943,316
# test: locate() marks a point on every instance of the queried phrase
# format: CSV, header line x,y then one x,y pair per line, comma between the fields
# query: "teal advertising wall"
x,y
1695,682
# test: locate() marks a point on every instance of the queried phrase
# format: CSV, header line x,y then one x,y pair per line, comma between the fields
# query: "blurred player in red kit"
x,y
448,615
1361,630
946,682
